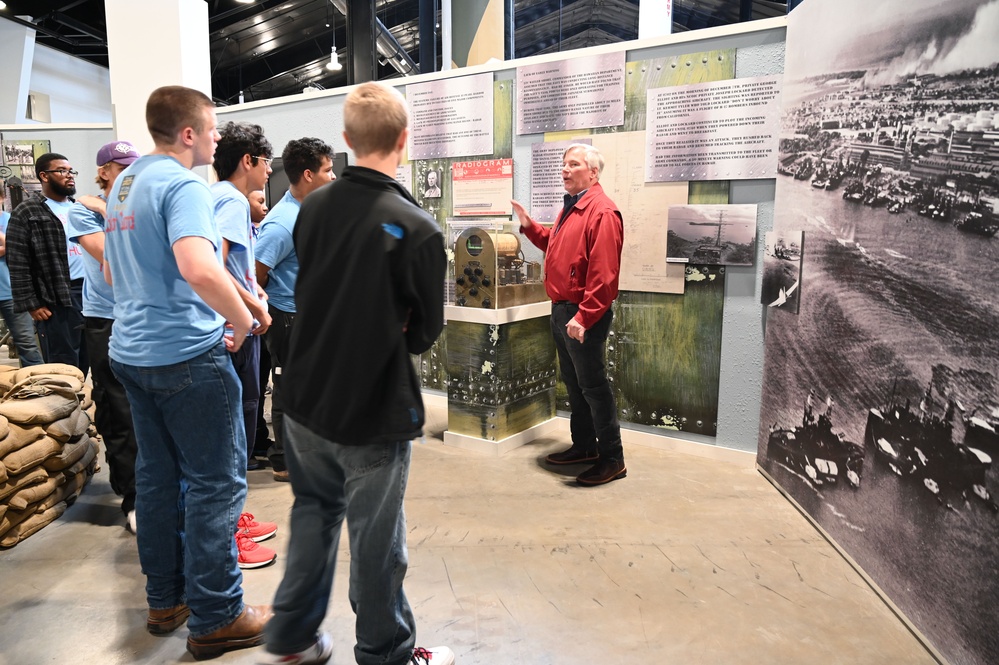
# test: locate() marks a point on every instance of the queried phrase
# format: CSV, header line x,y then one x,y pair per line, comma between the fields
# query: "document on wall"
x,y
576,93
482,188
644,207
547,187
724,130
451,117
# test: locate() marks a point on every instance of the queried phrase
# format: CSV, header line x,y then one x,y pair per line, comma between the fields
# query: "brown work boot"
x,y
246,631
163,622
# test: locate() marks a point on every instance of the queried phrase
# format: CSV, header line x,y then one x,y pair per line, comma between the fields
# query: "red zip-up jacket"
x,y
583,259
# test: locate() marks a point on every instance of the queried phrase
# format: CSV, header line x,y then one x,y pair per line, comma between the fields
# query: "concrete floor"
x,y
687,560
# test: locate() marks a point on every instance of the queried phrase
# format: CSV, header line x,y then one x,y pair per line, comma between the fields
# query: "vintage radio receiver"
x,y
491,271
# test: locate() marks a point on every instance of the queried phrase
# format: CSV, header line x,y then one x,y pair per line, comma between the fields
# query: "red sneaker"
x,y
257,531
252,555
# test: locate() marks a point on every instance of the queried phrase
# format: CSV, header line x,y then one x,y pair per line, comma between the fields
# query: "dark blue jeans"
x,y
190,481
366,485
278,339
22,332
593,422
60,337
246,362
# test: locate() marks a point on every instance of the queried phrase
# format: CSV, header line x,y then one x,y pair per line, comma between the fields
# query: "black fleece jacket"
x,y
370,292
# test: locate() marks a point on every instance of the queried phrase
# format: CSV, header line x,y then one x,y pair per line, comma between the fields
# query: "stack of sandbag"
x,y
47,449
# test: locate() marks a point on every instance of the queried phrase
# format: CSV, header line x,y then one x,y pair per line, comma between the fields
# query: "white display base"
x,y
498,316
502,446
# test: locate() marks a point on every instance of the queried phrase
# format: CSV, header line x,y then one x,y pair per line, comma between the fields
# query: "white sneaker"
x,y
317,654
130,521
432,656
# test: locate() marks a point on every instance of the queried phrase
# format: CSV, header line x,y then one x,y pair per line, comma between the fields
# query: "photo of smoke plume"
x,y
711,234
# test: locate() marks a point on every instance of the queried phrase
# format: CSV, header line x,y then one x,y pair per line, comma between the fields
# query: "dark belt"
x,y
76,282
564,302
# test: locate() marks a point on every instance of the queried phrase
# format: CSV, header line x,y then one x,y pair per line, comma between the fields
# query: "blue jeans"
x,y
190,481
60,337
593,422
22,332
246,362
366,484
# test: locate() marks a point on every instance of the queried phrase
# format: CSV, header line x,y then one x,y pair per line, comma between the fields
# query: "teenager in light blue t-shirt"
x,y
113,416
172,297
308,163
242,163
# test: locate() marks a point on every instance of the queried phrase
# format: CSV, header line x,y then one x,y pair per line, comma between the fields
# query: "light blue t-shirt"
x,y
73,251
276,250
159,319
5,293
98,298
232,215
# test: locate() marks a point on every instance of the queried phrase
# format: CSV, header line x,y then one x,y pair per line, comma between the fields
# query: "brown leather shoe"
x,y
282,476
602,472
246,631
163,622
572,456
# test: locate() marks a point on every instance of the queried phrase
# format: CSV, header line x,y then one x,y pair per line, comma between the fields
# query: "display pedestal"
x,y
501,369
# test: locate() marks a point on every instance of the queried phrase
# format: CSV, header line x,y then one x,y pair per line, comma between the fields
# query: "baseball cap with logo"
x,y
122,152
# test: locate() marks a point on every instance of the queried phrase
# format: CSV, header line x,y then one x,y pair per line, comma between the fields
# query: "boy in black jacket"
x,y
369,293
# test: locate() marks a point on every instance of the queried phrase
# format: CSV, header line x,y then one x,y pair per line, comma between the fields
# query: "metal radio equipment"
x,y
491,272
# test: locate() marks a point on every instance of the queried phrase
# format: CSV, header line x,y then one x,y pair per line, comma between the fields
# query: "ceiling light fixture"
x,y
334,64
246,2
3,5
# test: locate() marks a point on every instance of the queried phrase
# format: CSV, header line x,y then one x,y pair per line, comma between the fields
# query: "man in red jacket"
x,y
582,265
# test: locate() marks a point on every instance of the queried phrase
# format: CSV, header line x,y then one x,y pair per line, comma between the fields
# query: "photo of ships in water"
x,y
880,405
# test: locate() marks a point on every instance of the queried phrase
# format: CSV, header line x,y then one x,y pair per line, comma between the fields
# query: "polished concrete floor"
x,y
686,561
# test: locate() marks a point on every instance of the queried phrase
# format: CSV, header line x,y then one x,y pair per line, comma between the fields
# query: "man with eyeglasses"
x,y
46,271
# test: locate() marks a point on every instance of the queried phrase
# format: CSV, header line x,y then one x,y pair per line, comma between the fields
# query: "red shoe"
x,y
252,555
257,531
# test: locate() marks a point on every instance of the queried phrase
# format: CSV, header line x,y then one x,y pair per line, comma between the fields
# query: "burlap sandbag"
x,y
49,368
14,517
3,472
3,509
32,525
72,426
18,437
70,455
32,455
4,427
14,483
40,399
66,492
89,456
21,499
8,377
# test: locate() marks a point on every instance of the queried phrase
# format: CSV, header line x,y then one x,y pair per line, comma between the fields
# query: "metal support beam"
x,y
509,28
745,10
362,55
428,36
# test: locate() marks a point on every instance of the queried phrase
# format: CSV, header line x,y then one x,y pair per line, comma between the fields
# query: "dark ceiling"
x,y
272,48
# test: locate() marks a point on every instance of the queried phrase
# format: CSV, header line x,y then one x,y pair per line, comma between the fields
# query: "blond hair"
x,y
374,115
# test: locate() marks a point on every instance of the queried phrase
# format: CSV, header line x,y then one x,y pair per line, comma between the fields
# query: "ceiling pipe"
x,y
387,45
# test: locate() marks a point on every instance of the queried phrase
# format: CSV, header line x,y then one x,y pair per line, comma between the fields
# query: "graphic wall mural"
x,y
881,397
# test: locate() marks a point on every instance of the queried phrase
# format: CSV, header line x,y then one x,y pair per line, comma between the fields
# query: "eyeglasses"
x,y
63,172
266,160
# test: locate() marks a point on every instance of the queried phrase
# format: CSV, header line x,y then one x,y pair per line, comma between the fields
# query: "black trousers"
x,y
593,422
278,338
113,416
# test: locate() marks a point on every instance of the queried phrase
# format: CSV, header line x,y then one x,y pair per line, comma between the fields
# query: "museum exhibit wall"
x,y
758,48
880,399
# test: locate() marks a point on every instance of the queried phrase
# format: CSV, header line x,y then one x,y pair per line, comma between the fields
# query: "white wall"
x,y
79,91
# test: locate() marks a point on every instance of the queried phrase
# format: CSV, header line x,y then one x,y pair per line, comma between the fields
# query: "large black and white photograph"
x,y
881,398
711,234
18,153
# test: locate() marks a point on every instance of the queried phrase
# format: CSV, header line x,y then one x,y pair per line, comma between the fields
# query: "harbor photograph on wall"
x,y
880,403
